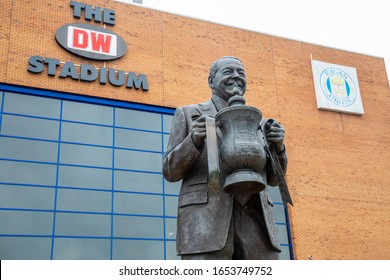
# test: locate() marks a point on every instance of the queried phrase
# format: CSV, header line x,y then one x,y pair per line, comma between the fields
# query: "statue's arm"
x,y
277,139
271,178
181,152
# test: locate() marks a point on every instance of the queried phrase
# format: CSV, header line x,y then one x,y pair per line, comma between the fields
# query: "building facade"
x,y
82,137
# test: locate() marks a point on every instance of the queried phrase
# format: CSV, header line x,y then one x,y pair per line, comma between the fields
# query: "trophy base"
x,y
244,182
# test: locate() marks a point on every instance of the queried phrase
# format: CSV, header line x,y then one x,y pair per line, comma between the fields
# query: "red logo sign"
x,y
91,41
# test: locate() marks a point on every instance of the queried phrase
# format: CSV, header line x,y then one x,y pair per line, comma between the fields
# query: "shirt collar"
x,y
219,103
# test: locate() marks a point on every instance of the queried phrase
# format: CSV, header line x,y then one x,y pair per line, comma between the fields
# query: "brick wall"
x,y
338,163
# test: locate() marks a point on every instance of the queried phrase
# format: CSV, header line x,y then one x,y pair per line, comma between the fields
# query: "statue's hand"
x,y
275,135
198,133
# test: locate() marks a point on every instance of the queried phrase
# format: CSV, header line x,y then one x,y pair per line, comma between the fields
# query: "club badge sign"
x,y
91,42
337,88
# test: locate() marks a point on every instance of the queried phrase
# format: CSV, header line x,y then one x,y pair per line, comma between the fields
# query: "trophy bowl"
x,y
242,156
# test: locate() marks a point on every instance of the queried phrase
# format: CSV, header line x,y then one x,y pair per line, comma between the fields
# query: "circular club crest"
x,y
338,87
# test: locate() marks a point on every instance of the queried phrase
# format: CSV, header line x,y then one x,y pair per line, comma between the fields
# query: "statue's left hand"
x,y
275,135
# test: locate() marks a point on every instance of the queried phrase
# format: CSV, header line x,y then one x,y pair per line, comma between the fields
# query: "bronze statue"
x,y
225,210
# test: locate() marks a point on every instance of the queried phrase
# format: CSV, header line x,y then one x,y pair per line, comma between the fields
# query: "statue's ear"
x,y
211,85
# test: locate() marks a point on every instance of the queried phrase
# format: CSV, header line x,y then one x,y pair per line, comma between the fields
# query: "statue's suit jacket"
x,y
204,212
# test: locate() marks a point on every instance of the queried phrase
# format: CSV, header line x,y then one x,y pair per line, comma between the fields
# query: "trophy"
x,y
241,155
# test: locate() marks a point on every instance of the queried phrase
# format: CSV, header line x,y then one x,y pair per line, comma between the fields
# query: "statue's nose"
x,y
235,75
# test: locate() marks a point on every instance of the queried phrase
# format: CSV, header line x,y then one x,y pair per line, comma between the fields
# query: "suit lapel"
x,y
208,108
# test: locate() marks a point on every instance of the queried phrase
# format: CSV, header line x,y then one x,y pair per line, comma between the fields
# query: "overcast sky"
x,y
354,25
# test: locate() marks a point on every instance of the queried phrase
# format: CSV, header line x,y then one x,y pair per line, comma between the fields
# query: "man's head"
x,y
227,77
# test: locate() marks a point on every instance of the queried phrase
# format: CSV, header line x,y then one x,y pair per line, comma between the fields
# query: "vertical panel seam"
x,y
57,181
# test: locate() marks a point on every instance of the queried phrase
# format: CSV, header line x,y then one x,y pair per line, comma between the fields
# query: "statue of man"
x,y
212,224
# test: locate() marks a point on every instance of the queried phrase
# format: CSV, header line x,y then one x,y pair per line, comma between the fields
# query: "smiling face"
x,y
229,79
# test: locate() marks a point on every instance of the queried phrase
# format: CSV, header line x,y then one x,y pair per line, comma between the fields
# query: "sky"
x,y
360,26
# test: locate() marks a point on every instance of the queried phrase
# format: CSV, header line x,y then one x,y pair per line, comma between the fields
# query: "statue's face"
x,y
230,79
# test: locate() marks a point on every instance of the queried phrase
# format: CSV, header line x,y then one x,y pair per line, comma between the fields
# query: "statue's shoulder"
x,y
194,109
198,106
190,106
189,109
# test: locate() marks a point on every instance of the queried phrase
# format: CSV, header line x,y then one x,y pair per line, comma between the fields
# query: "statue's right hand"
x,y
198,133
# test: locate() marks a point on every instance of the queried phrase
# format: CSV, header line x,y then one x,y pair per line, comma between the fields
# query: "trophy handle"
x,y
212,152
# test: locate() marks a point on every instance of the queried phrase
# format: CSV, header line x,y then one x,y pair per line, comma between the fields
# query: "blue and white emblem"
x,y
337,88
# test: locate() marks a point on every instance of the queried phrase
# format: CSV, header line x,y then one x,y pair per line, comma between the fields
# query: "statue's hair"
x,y
214,66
